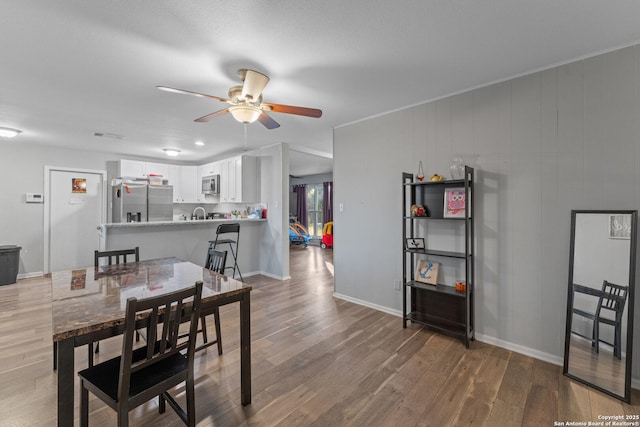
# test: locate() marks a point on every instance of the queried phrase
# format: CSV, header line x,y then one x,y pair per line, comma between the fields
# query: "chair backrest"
x,y
165,314
613,298
111,255
228,228
216,260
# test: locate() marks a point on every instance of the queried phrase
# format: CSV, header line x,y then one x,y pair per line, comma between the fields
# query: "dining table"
x,y
88,305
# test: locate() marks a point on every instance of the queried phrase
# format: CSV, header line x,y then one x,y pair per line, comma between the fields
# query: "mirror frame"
x,y
630,305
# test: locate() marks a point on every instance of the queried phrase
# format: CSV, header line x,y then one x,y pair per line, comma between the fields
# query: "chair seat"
x,y
104,376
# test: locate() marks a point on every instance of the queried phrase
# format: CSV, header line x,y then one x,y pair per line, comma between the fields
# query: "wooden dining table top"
x,y
92,299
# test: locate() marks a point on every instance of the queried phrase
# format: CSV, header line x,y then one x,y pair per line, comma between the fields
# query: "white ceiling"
x,y
74,67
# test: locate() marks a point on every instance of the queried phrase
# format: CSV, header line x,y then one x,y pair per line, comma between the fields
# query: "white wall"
x,y
543,144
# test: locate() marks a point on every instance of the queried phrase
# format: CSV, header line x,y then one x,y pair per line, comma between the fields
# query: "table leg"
x,y
65,383
245,349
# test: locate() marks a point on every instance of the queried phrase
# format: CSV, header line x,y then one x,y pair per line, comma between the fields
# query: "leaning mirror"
x,y
599,330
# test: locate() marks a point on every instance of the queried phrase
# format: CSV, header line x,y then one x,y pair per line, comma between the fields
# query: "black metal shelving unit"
x,y
438,307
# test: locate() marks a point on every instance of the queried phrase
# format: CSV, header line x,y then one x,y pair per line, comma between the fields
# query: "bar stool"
x,y
229,229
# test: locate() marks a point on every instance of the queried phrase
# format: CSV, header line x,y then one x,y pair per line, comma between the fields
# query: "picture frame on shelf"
x,y
427,272
454,202
415,243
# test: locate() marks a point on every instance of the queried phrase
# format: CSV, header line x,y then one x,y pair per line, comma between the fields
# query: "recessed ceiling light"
x,y
171,151
9,132
199,143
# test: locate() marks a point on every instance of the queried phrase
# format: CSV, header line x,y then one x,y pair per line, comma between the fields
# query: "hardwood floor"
x,y
317,361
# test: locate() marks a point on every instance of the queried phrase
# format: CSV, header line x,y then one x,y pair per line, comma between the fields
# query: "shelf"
x,y
441,289
451,182
434,252
436,217
445,325
439,307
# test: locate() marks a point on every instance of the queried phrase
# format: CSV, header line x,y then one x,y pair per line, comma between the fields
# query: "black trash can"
x,y
9,263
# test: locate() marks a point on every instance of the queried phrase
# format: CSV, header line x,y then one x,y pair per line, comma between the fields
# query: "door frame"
x,y
47,205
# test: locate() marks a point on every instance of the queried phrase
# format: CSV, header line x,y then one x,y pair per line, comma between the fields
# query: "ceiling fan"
x,y
246,101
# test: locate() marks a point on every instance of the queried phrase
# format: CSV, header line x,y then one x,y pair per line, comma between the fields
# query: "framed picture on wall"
x,y
415,243
427,272
454,202
620,226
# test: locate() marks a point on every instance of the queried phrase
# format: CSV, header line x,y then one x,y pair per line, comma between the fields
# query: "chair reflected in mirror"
x,y
609,309
600,300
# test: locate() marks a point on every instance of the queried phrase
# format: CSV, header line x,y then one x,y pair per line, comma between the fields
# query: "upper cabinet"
x,y
185,183
140,169
238,180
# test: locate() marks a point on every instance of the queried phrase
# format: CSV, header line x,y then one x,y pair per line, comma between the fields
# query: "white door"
x,y
76,208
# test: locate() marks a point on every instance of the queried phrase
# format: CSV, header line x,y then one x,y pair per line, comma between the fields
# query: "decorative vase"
x,y
420,174
457,167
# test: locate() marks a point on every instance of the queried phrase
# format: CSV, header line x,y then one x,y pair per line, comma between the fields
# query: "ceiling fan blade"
x,y
188,92
290,109
212,115
254,83
267,121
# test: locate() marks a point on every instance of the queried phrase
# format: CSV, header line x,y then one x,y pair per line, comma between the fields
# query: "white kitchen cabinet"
x,y
140,169
189,184
184,180
238,178
157,169
132,168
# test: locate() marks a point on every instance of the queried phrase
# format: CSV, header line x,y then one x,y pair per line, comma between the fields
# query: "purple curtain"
x,y
327,201
301,211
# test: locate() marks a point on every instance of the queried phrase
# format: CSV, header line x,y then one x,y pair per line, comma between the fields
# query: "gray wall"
x,y
22,171
543,144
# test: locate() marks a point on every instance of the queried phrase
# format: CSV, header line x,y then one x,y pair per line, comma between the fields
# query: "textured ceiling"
x,y
75,67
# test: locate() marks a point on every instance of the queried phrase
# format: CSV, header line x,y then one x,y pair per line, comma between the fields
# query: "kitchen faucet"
x,y
204,213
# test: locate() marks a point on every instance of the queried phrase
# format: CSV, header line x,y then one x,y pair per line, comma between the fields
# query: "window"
x,y
314,209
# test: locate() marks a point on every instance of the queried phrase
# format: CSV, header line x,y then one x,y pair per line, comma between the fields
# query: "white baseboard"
x,y
264,273
527,351
368,304
30,275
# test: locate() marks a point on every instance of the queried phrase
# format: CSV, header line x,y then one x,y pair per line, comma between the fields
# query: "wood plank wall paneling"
x,y
543,144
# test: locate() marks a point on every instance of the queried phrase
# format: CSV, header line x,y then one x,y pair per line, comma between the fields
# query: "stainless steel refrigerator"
x,y
160,203
142,203
129,203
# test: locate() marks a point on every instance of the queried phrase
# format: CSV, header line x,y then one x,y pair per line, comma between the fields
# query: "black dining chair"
x,y
116,255
138,375
216,261
609,312
611,299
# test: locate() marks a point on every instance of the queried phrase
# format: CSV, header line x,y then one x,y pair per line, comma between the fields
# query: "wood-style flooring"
x,y
317,361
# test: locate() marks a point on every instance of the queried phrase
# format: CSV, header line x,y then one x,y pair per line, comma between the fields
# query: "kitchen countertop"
x,y
179,222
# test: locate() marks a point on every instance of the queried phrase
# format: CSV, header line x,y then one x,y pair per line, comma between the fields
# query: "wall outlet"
x,y
397,284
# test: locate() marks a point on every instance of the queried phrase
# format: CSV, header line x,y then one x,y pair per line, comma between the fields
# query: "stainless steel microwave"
x,y
211,184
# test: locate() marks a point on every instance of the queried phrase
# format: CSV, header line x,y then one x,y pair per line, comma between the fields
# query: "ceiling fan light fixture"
x,y
9,132
171,152
245,113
